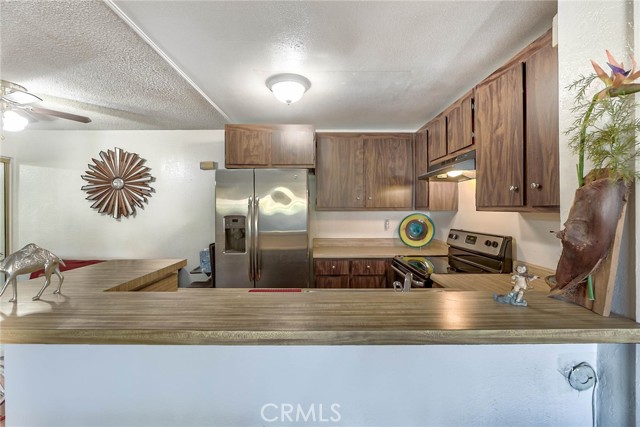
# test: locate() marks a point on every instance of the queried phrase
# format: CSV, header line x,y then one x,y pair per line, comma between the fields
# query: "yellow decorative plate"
x,y
421,263
416,230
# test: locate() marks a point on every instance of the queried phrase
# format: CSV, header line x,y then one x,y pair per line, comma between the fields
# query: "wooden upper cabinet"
x,y
516,119
437,138
421,187
443,196
364,171
388,171
430,195
543,188
460,124
500,139
247,145
293,145
256,146
451,132
340,172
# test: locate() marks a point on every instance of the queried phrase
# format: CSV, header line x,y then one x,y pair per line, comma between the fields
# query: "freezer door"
x,y
234,225
282,244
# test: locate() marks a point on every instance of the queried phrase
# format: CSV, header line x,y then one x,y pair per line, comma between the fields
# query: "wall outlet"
x,y
582,377
386,224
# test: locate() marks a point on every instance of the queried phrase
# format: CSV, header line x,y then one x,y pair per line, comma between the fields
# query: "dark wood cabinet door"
x,y
331,267
542,128
247,145
388,171
443,196
421,187
460,125
437,138
339,171
332,282
293,145
368,267
368,282
499,118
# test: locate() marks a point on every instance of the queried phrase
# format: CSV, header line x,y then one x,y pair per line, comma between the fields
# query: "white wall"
x,y
409,386
532,232
50,209
585,30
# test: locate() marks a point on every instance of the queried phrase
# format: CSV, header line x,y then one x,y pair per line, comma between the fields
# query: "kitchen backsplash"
x,y
533,233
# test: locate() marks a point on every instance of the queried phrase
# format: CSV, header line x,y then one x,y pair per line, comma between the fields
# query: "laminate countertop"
x,y
85,314
373,248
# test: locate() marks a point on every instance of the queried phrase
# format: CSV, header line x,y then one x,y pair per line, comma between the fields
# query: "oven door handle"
x,y
403,274
473,264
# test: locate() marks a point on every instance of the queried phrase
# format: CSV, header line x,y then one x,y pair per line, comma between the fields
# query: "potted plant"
x,y
604,132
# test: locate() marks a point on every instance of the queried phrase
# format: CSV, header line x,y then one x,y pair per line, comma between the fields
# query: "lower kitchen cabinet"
x,y
368,273
331,273
350,273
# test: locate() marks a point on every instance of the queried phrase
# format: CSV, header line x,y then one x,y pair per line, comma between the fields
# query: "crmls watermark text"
x,y
314,412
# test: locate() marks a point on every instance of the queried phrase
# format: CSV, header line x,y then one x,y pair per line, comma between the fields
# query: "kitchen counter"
x,y
498,283
85,314
373,248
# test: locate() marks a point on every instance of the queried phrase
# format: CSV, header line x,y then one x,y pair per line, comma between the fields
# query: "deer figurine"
x,y
27,260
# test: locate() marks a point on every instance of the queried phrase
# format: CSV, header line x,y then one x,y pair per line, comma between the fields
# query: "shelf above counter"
x,y
85,314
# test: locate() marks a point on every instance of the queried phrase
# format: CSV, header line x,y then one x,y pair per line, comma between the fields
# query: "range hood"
x,y
455,169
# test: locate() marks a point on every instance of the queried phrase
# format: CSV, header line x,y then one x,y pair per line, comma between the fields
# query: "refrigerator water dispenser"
x,y
234,234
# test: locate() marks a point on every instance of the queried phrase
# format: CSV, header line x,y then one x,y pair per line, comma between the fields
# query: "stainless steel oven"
x,y
469,252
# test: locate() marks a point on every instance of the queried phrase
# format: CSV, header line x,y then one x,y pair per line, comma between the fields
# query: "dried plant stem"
x,y
583,139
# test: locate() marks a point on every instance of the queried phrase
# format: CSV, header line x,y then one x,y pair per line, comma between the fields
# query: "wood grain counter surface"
x,y
84,314
373,248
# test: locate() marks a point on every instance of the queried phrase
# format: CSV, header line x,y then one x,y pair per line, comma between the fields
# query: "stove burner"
x,y
469,252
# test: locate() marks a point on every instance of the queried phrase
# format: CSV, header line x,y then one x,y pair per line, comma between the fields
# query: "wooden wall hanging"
x,y
118,183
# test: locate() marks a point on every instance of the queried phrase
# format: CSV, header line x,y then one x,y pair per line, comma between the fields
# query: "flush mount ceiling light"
x,y
288,88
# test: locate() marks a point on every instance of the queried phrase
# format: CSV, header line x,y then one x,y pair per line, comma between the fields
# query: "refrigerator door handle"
x,y
250,215
256,233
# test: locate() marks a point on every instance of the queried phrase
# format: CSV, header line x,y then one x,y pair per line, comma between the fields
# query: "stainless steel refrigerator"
x,y
262,218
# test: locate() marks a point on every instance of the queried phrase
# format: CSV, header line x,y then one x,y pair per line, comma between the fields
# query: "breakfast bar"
x,y
84,313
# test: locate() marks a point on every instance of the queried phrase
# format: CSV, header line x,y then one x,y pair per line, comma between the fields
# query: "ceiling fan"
x,y
14,97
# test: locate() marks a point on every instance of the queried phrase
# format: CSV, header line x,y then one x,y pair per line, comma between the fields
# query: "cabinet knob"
x,y
368,266
535,185
513,188
369,197
357,197
333,267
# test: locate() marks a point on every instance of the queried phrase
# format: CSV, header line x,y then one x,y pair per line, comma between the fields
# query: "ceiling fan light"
x,y
288,88
13,122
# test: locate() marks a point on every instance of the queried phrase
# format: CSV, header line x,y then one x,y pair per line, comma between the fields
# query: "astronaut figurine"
x,y
521,282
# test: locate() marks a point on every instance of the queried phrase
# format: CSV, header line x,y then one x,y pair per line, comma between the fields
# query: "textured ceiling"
x,y
372,65
81,57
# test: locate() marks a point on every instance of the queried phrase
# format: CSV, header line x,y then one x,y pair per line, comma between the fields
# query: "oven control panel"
x,y
488,244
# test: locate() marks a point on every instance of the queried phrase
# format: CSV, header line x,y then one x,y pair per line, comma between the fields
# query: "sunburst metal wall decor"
x,y
118,183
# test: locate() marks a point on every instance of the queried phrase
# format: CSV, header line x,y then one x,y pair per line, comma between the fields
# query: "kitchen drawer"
x,y
368,267
332,282
331,267
368,282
